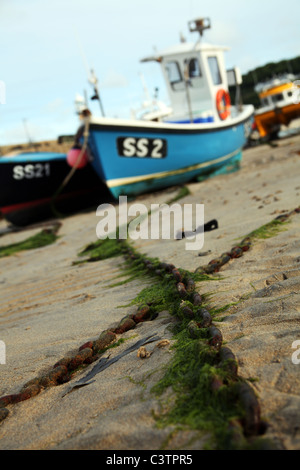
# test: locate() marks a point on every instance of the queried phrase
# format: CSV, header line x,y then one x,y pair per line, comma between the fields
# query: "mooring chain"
x,y
237,251
90,351
185,286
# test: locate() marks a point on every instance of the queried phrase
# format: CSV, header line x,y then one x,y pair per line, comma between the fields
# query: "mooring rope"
x,y
75,167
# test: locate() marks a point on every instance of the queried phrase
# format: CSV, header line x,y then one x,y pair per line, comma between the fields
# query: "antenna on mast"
x,y
200,24
94,82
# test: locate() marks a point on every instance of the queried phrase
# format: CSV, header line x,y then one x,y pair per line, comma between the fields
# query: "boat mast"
x,y
92,77
200,24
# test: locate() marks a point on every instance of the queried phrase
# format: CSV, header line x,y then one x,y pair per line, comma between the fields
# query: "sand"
x,y
49,307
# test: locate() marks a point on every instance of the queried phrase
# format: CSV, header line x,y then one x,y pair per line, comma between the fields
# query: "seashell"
x,y
143,353
163,343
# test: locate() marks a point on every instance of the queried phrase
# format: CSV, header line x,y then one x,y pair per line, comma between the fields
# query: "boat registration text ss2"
x,y
30,170
141,147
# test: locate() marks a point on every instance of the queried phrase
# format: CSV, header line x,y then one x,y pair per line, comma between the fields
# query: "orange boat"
x,y
280,104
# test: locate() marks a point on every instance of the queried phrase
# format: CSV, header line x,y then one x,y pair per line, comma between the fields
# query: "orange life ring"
x,y
223,104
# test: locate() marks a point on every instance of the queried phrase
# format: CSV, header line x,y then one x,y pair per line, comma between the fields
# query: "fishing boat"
x,y
35,185
200,133
279,105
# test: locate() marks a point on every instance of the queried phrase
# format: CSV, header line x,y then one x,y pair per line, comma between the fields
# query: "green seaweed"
x,y
183,191
271,229
196,405
101,249
43,238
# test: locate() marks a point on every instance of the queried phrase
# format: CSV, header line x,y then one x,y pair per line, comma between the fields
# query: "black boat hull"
x,y
32,189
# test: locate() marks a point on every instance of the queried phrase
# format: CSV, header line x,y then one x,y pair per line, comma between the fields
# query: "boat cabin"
x,y
277,92
196,80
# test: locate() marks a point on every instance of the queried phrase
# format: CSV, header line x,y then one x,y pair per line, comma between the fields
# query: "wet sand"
x,y
50,307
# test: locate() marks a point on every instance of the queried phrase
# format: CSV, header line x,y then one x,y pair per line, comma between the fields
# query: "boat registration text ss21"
x,y
37,170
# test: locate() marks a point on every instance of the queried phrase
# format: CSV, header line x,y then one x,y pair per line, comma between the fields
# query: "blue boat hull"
x,y
137,159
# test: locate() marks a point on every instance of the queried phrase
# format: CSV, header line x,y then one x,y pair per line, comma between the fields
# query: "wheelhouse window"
x,y
174,75
278,97
214,70
192,72
193,68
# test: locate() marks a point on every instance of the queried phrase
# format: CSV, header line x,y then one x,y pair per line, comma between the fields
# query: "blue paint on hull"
x,y
32,157
190,154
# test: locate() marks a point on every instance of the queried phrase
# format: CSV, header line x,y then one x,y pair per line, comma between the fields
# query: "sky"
x,y
48,47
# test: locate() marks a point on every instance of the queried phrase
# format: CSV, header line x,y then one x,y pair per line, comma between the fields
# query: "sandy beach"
x,y
51,306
